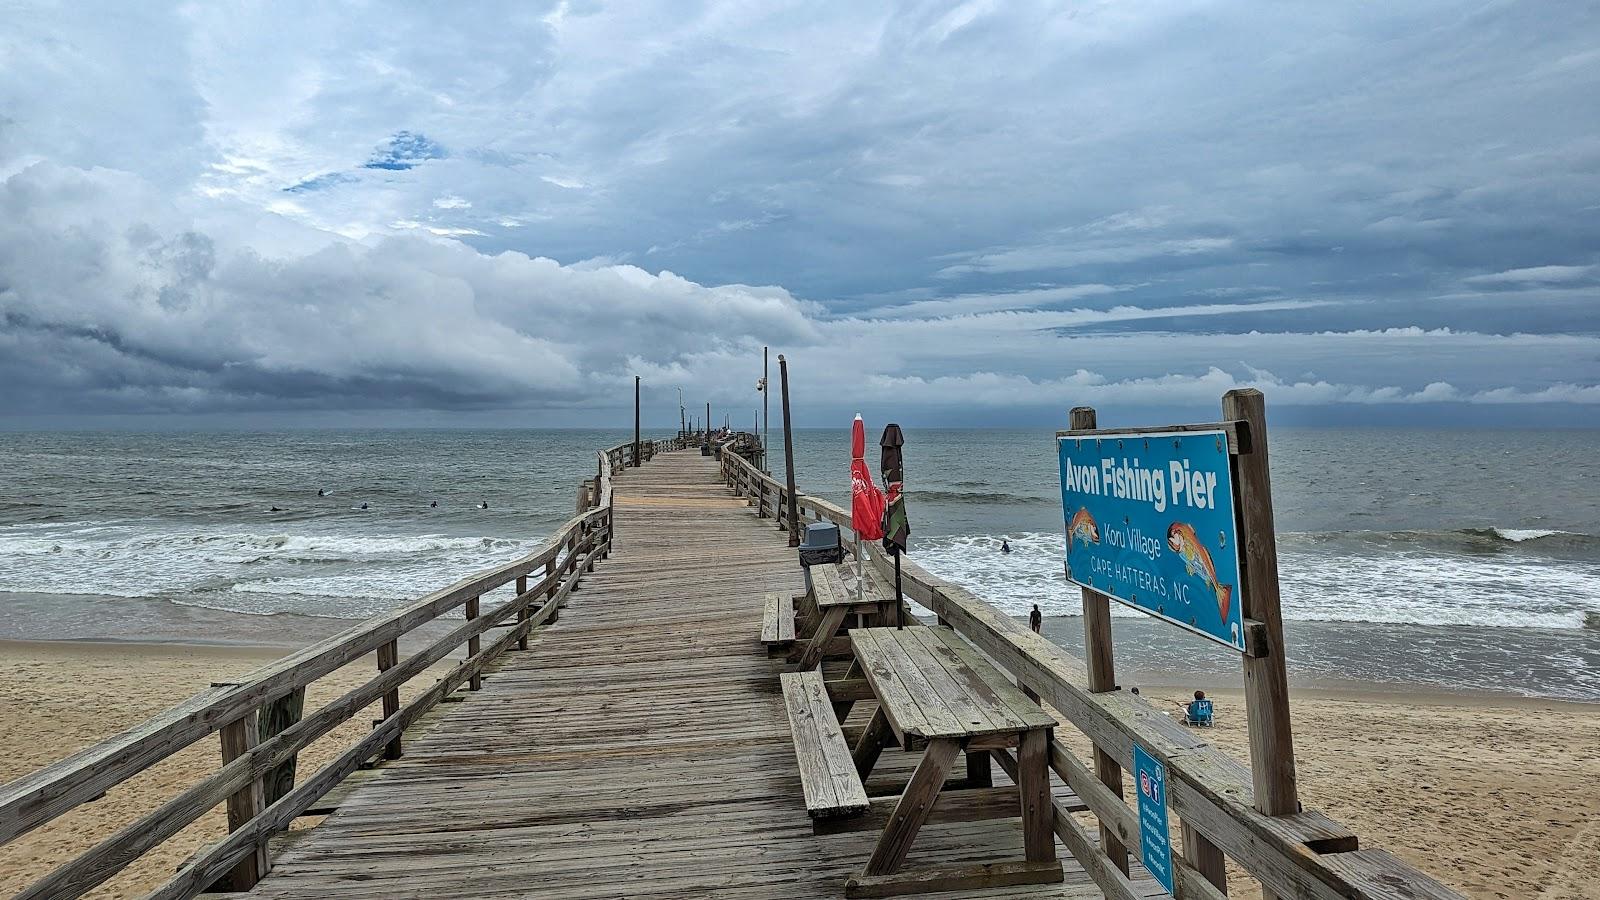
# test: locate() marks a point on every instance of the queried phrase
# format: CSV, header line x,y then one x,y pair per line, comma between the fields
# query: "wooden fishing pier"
x,y
637,714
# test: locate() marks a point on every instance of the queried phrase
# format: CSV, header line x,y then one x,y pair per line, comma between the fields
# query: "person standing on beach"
x,y
1035,619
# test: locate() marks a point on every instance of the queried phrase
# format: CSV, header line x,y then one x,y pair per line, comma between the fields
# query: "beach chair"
x,y
1197,713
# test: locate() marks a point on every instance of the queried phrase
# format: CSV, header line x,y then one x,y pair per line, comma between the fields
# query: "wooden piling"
x,y
276,717
1266,680
474,644
388,658
522,614
788,456
238,738
1102,674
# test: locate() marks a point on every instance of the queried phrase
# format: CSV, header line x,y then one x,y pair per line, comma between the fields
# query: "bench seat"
x,y
777,624
827,771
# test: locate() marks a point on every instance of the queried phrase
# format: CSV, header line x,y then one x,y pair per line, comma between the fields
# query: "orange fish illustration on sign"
x,y
1184,542
1083,527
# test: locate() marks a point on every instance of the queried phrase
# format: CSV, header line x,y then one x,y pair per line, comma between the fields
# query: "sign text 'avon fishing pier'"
x,y
1150,523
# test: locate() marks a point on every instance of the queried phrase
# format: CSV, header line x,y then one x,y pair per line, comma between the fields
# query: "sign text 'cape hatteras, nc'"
x,y
1150,522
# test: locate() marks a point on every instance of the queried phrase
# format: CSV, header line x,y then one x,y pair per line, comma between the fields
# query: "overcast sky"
x,y
959,213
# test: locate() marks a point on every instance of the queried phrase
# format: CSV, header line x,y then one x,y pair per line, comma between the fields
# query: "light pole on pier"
x,y
788,455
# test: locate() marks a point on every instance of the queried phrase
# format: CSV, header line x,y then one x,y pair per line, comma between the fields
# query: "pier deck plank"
x,y
638,748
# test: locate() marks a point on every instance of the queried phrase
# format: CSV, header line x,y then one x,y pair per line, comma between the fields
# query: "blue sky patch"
x,y
404,151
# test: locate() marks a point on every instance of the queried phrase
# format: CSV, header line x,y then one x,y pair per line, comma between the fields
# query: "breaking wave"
x,y
1424,578
237,569
975,497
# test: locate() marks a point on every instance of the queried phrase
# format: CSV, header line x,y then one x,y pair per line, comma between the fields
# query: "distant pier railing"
x,y
1301,855
262,729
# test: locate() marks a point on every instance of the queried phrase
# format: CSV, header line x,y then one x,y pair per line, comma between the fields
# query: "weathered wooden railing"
x,y
1302,855
262,729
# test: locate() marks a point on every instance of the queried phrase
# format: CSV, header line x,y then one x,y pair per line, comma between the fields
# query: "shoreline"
x,y
1394,659
1303,686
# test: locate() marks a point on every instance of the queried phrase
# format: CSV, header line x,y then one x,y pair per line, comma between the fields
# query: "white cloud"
x,y
209,206
1535,275
110,299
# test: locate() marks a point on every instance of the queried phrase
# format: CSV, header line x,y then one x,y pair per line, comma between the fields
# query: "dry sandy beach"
x,y
1496,796
58,697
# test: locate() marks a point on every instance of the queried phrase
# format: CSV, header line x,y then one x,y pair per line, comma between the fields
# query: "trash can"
x,y
821,545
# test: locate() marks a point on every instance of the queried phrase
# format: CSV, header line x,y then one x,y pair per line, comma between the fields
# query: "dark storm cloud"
x,y
979,205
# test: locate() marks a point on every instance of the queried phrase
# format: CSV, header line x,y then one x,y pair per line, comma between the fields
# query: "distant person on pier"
x,y
1036,619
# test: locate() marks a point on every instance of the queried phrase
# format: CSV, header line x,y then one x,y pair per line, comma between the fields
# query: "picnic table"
x,y
936,692
830,603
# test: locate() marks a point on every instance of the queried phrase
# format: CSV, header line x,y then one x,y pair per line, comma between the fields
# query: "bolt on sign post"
x,y
1176,522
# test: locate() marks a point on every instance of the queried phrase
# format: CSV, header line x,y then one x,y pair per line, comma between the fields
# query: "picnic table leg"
x,y
826,630
979,769
914,806
1033,783
870,745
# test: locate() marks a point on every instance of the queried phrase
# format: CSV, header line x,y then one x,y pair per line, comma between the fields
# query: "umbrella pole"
x,y
860,587
899,604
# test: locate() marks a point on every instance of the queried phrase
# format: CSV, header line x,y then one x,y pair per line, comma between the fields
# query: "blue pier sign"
x,y
1155,838
1150,523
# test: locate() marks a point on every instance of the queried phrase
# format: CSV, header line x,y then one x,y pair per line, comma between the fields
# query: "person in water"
x,y
433,505
363,506
1036,619
321,492
1005,546
483,505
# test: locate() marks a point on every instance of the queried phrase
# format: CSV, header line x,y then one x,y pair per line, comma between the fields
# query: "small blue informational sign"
x,y
1154,838
1150,523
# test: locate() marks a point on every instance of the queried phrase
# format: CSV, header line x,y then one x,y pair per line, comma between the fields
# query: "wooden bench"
x,y
827,770
777,625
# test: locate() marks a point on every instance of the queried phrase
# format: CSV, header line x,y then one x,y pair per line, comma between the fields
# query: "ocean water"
x,y
1471,556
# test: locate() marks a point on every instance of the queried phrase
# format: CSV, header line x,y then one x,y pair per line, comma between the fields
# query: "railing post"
x,y
1102,674
388,658
1205,857
1266,682
522,614
239,738
274,718
550,589
474,643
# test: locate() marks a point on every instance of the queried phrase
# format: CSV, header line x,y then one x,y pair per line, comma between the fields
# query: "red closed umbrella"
x,y
866,500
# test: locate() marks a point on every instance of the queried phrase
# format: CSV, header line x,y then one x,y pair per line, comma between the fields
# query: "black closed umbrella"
x,y
896,528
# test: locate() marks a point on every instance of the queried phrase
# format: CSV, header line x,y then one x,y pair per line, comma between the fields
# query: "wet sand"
x,y
1494,795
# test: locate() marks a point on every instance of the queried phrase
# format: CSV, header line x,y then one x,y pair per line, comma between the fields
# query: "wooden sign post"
x,y
1255,628
1266,678
1102,672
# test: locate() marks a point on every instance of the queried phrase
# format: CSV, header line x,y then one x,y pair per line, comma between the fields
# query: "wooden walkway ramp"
x,y
639,748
